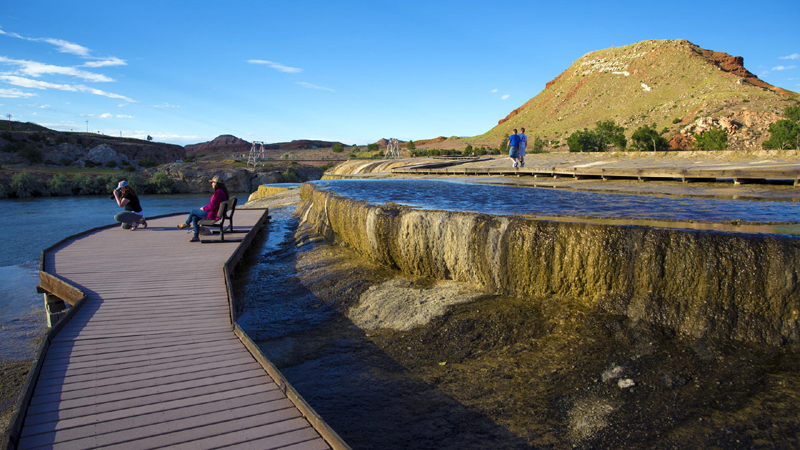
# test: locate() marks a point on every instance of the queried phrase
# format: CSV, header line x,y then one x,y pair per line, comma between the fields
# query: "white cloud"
x,y
778,68
35,84
313,86
166,105
44,106
493,91
103,93
43,85
792,56
276,66
105,116
87,115
505,97
123,116
106,62
37,69
61,45
14,93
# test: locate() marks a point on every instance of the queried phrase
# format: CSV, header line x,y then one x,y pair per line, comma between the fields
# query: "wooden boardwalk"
x,y
150,358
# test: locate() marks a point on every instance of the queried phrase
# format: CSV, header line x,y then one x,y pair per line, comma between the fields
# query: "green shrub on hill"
x,y
162,183
411,146
538,145
372,147
338,147
585,141
784,134
31,154
713,139
59,185
148,163
610,133
24,185
646,138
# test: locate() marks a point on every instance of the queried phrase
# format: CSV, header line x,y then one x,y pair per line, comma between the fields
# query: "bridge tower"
x,y
257,154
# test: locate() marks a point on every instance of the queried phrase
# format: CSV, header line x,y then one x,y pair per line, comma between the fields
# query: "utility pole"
x,y
9,121
87,125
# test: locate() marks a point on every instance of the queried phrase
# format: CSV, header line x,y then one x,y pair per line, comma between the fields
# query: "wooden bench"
x,y
224,223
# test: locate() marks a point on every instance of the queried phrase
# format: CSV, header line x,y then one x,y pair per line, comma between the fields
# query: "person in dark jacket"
x,y
126,198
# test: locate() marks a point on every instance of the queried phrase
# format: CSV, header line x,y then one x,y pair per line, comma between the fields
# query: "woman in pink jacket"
x,y
209,211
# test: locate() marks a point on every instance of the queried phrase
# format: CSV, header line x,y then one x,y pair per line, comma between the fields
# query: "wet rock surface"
x,y
503,371
701,284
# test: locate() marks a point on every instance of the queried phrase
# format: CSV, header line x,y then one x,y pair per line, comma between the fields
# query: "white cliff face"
x,y
698,283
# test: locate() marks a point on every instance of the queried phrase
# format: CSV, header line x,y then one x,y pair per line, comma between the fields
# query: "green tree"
x,y
59,185
372,147
410,146
338,147
23,184
646,138
585,141
148,162
354,149
31,154
713,139
792,113
504,144
610,133
538,145
162,183
468,150
783,134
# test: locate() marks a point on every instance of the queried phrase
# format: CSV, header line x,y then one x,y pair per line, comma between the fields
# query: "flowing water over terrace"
x,y
501,372
551,203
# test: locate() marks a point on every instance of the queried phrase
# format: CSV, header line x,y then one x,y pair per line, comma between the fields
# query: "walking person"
x,y
513,148
523,144
126,198
209,211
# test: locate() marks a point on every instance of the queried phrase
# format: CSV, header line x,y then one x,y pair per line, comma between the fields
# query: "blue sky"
x,y
186,72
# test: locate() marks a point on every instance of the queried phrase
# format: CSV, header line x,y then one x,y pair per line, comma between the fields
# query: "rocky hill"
x,y
672,83
227,143
28,143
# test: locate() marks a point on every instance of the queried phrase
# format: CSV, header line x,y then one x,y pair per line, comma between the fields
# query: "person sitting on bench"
x,y
209,211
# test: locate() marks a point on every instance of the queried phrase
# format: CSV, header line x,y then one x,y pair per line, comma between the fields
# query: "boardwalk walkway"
x,y
150,359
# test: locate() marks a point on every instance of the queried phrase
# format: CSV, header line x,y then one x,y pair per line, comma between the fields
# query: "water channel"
x,y
505,372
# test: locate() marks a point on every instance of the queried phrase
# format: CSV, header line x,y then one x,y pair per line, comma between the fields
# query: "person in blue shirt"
x,y
513,148
523,144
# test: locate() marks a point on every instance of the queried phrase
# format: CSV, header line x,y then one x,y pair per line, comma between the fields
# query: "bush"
x,y
327,166
148,163
646,138
372,147
784,134
59,185
585,141
676,120
31,154
504,145
411,146
65,161
713,139
7,136
610,133
161,183
23,185
468,149
129,168
538,145
338,147
89,163
111,164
